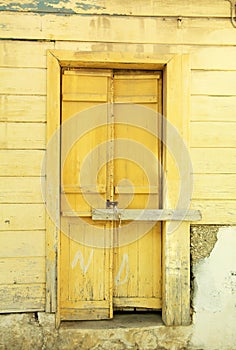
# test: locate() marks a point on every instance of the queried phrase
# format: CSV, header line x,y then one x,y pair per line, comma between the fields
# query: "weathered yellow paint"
x,y
22,263
24,54
210,58
52,183
23,81
213,83
213,187
213,108
88,285
22,244
221,208
22,297
213,161
21,162
213,134
21,189
117,60
128,278
114,29
22,270
15,108
170,314
140,279
16,54
175,253
202,56
22,217
22,135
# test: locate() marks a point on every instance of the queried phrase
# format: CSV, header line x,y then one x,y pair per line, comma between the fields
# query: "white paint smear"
x,y
124,265
79,256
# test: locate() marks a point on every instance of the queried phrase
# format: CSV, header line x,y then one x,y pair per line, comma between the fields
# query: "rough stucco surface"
x,y
214,312
203,239
214,300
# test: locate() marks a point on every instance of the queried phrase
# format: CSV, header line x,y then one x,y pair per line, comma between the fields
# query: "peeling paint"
x,y
87,6
50,6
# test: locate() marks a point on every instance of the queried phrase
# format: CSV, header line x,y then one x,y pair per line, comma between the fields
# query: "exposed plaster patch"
x,y
203,240
214,299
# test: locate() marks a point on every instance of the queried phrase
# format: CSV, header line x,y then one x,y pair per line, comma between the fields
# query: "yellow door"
x,y
137,256
107,265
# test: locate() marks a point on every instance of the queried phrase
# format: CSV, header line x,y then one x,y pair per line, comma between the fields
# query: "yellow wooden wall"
x,y
201,28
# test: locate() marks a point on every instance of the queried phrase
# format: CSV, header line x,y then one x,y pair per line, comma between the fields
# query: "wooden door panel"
x,y
105,264
85,276
138,270
137,265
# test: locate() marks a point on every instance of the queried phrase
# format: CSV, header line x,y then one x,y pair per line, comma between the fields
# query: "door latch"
x,y
111,204
114,205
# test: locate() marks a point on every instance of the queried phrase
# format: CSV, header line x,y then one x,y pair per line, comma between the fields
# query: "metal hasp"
x,y
146,214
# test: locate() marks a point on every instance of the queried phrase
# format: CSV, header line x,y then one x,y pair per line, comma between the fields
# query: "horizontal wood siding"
x,y
214,160
103,29
21,162
18,55
215,187
22,217
22,297
23,108
23,81
22,135
204,31
16,189
213,134
213,108
19,244
22,270
215,211
213,83
22,149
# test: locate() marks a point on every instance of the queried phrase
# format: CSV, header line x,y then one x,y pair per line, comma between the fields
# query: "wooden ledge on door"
x,y
146,214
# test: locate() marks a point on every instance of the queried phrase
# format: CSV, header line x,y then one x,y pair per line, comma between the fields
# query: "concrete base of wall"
x,y
138,331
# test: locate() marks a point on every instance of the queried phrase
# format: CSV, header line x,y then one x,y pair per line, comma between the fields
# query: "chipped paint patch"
x,y
88,6
50,6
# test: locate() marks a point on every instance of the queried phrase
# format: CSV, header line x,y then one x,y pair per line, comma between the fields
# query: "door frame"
x,y
176,109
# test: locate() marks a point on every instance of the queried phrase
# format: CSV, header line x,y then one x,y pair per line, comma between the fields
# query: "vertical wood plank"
x,y
176,245
53,179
